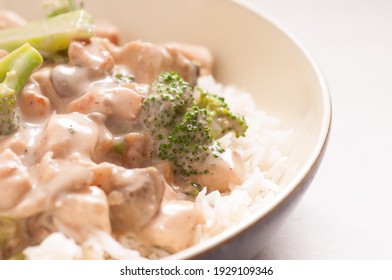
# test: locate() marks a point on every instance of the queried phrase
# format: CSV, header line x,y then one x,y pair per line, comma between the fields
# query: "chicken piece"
x,y
91,55
88,70
24,143
17,143
120,103
141,89
137,150
105,138
74,133
15,181
51,177
10,19
146,61
33,105
199,55
77,212
174,228
103,176
224,171
74,213
135,195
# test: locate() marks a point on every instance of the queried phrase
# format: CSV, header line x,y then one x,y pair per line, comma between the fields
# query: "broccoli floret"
x,y
50,35
222,119
183,131
15,69
189,143
169,98
55,7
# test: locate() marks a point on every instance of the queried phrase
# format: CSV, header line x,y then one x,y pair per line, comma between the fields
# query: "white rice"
x,y
264,150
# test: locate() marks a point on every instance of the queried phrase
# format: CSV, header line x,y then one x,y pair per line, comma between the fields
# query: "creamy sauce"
x,y
81,159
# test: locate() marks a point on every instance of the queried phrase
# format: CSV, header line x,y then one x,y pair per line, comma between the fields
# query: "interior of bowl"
x,y
250,52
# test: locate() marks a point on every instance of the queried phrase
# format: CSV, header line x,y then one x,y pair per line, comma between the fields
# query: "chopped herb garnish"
x,y
123,78
119,147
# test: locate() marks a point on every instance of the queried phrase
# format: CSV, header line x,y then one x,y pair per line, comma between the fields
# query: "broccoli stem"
x,y
19,64
50,35
55,7
15,69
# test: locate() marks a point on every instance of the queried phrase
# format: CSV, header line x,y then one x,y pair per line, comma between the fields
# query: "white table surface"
x,y
347,211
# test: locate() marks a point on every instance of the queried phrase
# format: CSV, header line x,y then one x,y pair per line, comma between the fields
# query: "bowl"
x,y
254,53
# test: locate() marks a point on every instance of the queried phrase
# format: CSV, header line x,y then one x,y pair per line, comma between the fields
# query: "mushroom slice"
x,y
136,197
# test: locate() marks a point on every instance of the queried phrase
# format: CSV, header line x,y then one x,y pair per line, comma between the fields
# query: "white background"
x,y
347,211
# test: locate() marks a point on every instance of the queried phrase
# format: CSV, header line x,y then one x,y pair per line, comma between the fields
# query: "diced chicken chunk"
x,y
120,102
81,211
51,177
175,227
75,213
146,61
91,55
89,68
33,104
199,55
230,163
17,143
15,181
73,133
137,150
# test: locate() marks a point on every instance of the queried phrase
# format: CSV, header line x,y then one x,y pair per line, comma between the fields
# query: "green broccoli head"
x,y
169,98
184,131
9,119
189,143
222,119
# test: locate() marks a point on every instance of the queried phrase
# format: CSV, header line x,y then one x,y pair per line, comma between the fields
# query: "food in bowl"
x,y
113,151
